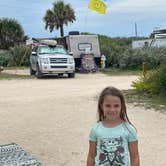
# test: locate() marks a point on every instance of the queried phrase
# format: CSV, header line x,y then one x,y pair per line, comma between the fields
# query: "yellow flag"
x,y
98,6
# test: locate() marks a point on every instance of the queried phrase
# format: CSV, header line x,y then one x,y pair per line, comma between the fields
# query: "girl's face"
x,y
111,107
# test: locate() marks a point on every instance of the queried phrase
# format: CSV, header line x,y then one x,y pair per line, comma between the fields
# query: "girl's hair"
x,y
113,92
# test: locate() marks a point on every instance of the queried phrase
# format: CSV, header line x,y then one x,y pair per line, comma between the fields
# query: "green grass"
x,y
120,72
14,76
157,103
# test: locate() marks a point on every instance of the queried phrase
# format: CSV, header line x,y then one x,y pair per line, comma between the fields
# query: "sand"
x,y
51,118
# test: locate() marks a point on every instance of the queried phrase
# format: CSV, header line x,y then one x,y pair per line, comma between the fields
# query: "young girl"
x,y
113,139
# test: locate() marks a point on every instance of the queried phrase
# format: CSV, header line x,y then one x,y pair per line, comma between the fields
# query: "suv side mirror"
x,y
34,53
70,53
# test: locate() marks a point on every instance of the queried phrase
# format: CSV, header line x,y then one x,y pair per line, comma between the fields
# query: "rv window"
x,y
84,46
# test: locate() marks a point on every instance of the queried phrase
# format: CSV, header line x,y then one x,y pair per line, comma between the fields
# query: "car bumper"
x,y
55,69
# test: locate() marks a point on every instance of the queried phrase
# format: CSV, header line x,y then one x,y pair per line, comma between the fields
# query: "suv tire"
x,y
32,72
60,75
71,75
38,72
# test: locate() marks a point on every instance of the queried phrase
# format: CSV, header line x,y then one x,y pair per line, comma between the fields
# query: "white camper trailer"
x,y
78,45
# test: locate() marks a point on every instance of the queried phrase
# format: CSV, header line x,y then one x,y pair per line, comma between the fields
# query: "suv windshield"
x,y
52,50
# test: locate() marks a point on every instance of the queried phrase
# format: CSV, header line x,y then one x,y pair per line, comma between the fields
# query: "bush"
x,y
133,59
154,83
117,51
5,58
112,48
20,55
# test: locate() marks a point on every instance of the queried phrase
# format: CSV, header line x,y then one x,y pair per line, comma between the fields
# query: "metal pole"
x,y
135,29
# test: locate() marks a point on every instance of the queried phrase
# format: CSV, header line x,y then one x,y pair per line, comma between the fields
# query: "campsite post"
x,y
144,69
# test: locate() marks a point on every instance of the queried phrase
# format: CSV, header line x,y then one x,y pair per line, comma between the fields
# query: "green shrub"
x,y
133,58
20,55
5,58
153,83
162,80
119,53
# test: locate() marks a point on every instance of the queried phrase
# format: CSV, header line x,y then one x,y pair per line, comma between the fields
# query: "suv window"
x,y
52,50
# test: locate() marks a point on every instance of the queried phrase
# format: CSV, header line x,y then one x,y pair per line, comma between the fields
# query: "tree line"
x,y
12,33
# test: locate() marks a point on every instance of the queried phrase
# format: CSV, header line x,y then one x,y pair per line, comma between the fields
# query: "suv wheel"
x,y
38,72
71,75
32,72
60,75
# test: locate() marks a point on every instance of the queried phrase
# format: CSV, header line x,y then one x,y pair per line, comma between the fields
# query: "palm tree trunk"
x,y
61,30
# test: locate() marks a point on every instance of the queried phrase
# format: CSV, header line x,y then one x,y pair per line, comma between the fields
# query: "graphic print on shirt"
x,y
111,152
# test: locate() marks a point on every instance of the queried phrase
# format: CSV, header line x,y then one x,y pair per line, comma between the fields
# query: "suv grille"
x,y
58,60
58,67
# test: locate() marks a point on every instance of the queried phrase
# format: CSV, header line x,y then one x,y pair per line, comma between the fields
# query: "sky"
x,y
119,20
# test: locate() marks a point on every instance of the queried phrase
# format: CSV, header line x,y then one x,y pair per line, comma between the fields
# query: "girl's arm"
x,y
134,154
91,154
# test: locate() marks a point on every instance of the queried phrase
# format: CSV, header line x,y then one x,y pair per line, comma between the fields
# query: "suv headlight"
x,y
71,60
44,60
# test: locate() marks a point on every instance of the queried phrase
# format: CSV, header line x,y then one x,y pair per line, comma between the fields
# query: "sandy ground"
x,y
51,118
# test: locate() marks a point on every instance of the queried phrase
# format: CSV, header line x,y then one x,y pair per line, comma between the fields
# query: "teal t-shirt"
x,y
112,143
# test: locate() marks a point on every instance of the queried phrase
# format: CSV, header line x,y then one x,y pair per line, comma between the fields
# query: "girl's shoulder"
x,y
130,126
96,125
131,131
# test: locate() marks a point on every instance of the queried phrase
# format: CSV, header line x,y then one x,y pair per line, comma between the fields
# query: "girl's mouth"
x,y
112,113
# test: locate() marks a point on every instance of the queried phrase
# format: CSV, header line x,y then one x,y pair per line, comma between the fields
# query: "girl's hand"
x,y
134,154
91,154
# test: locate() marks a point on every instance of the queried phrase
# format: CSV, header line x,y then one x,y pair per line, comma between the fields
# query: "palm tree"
x,y
59,15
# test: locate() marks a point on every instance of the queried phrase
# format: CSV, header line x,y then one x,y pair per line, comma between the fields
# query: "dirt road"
x,y
51,118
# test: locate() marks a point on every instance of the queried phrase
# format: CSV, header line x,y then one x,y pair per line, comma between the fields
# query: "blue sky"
x,y
118,21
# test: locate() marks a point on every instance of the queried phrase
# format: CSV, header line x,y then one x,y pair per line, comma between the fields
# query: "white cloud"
x,y
136,5
118,20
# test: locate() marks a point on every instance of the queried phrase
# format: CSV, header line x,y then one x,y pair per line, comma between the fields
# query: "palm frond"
x,y
59,15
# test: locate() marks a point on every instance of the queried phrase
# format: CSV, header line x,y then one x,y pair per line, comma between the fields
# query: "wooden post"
x,y
144,69
1,69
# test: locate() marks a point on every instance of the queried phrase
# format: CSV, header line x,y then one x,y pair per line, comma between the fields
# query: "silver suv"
x,y
50,60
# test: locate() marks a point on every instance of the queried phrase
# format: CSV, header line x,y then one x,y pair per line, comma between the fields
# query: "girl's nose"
x,y
111,109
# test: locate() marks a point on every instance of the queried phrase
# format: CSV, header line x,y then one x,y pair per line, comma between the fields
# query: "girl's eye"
x,y
108,105
116,105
